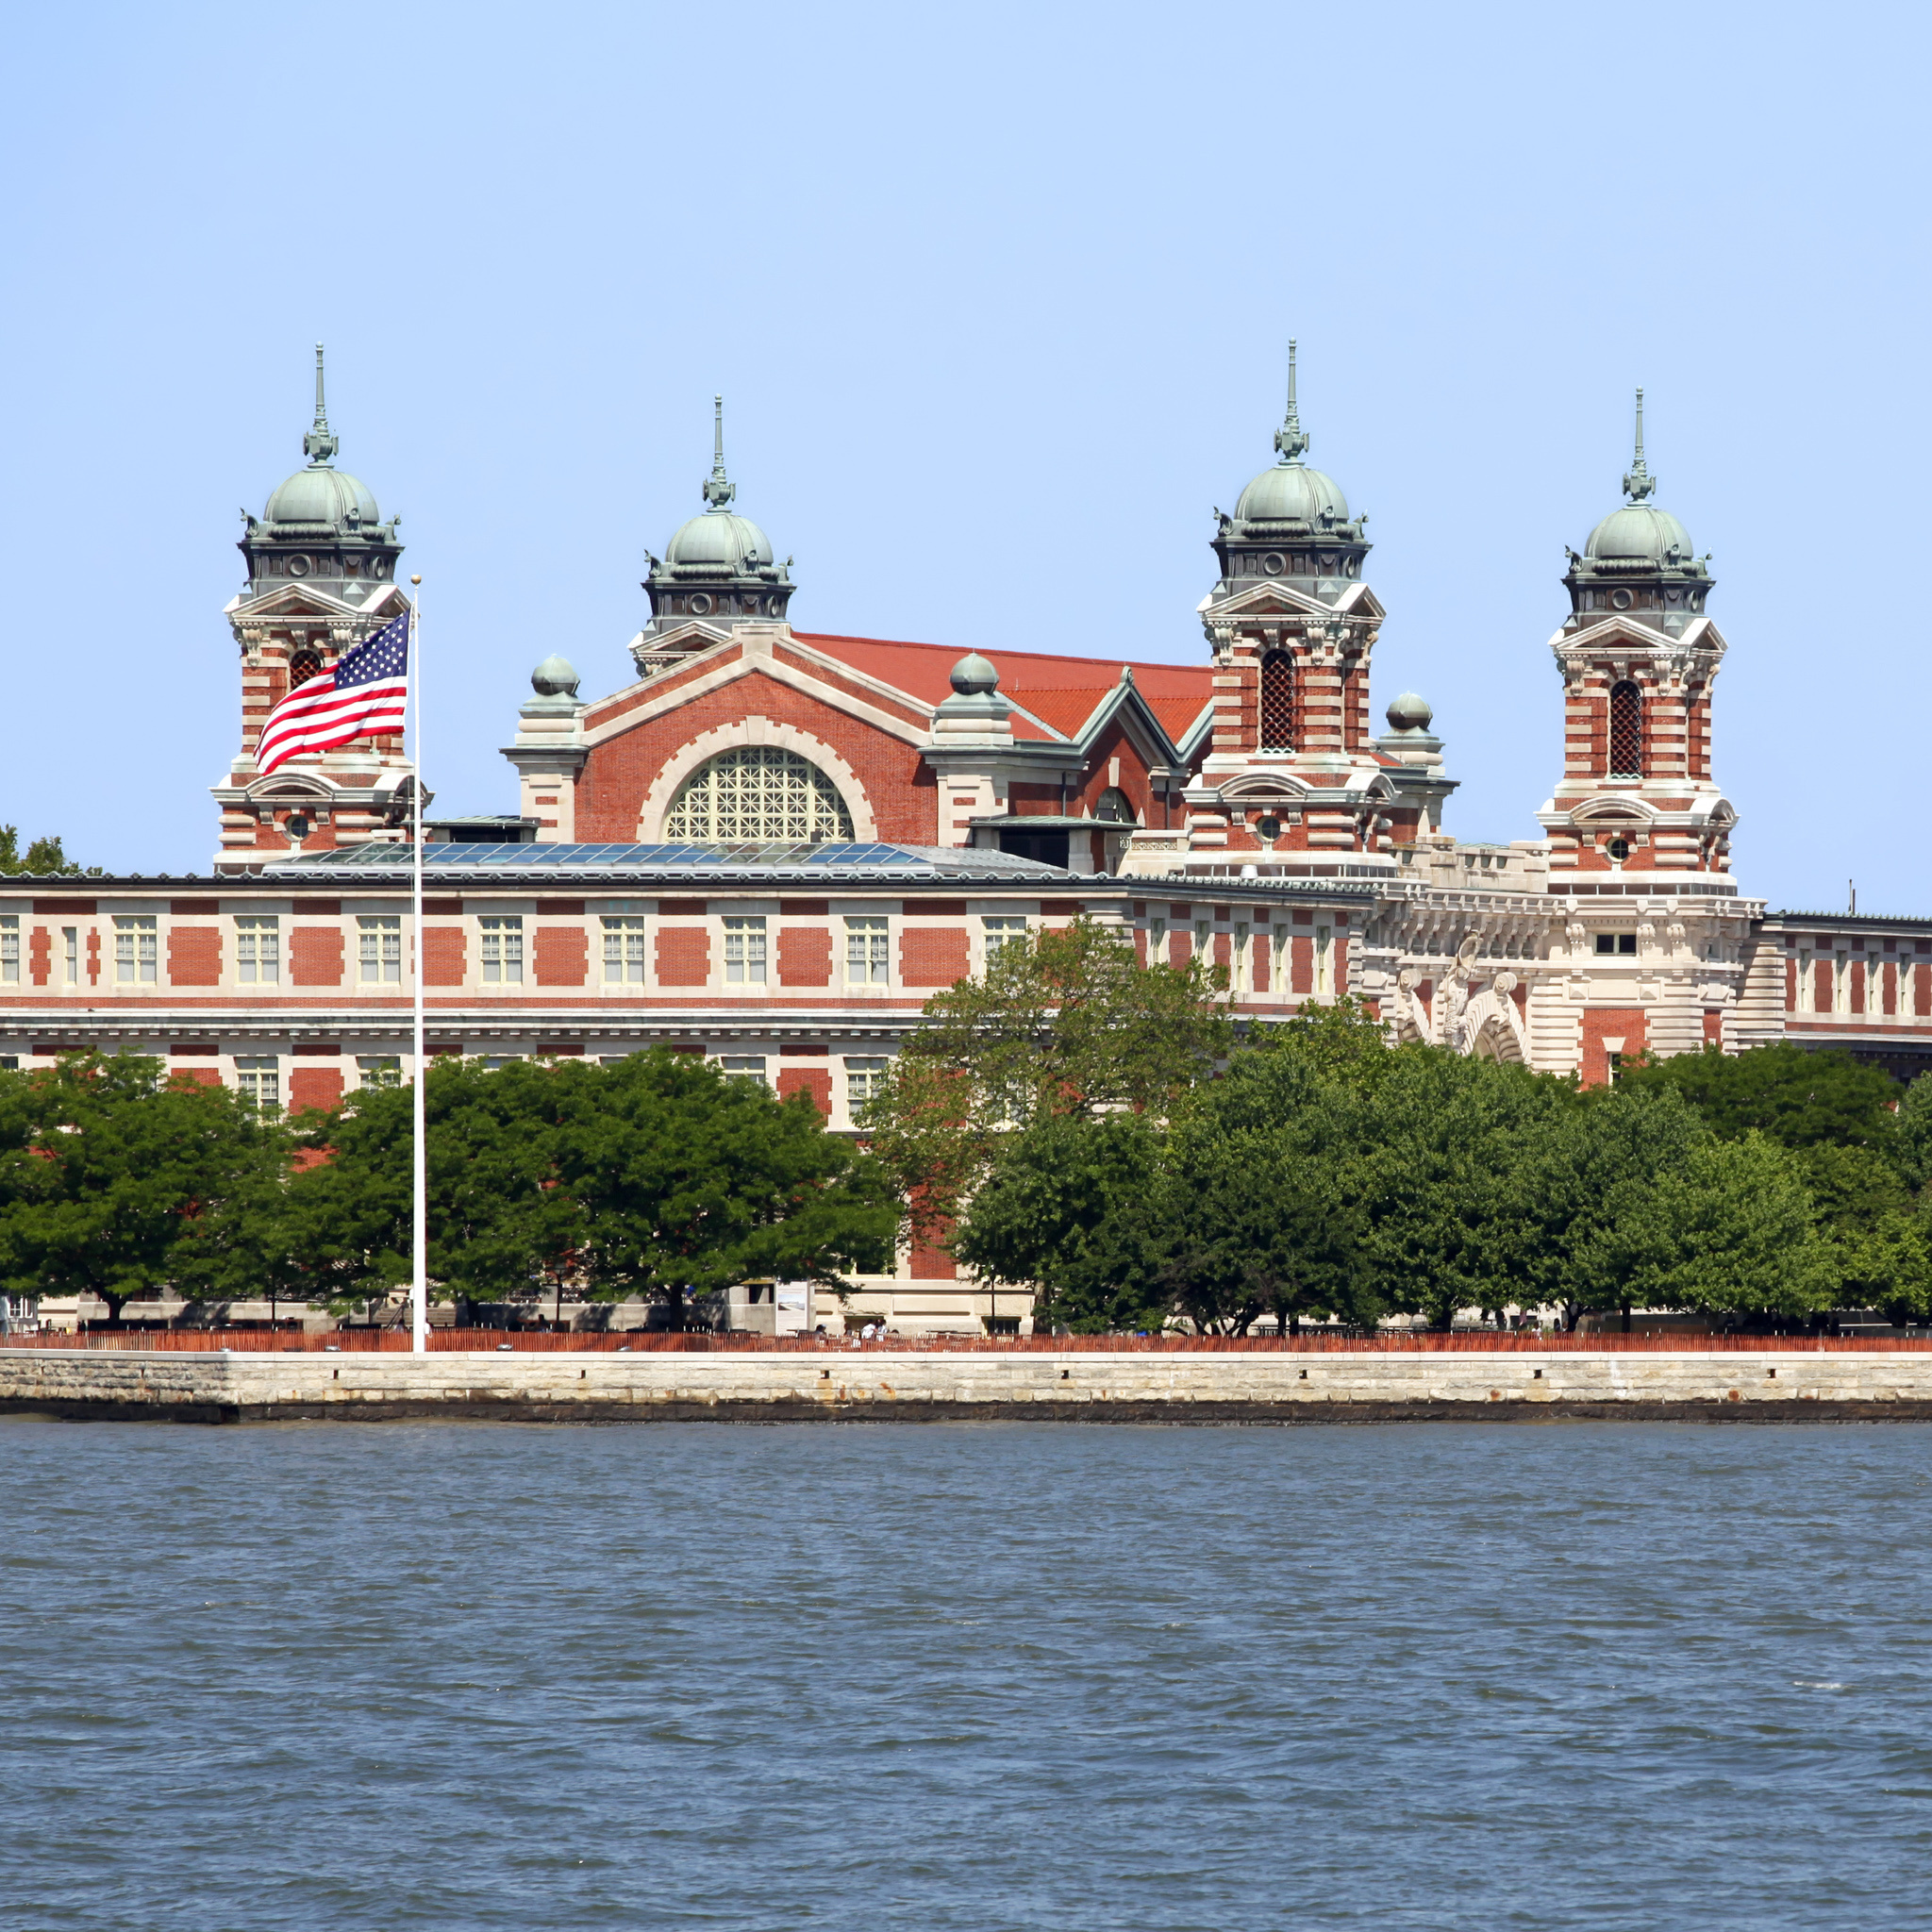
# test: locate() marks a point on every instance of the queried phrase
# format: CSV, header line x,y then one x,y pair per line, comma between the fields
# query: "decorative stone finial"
x,y
319,445
719,489
975,676
1292,438
555,677
1639,482
1409,713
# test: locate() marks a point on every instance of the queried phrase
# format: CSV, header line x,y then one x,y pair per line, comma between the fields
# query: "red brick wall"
x,y
443,954
1713,1027
314,1087
1263,964
1820,987
315,956
933,955
684,956
1921,992
1301,970
1791,983
1180,948
618,772
817,1081
39,954
195,1076
195,955
561,955
1857,986
1610,1022
804,955
1891,986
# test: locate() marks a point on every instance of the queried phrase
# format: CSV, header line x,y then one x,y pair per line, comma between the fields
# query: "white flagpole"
x,y
418,1138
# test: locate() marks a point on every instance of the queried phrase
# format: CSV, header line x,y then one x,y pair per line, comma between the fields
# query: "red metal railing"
x,y
451,1340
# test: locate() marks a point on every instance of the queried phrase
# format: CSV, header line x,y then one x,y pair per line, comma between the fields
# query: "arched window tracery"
x,y
759,793
1626,730
1278,702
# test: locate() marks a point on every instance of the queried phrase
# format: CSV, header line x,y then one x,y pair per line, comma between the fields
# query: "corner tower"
x,y
1293,768
1639,655
717,572
322,567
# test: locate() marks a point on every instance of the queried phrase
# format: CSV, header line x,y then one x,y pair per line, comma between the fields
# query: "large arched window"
x,y
759,793
1626,731
1278,702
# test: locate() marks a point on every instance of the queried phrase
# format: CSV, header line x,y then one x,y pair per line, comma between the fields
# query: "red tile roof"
x,y
1062,693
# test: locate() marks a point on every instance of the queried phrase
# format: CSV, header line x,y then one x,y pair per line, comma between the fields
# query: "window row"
x,y
1253,967
1825,982
257,949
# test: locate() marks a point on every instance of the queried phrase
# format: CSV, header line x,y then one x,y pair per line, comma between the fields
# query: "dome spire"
x,y
319,445
1291,439
719,489
1639,482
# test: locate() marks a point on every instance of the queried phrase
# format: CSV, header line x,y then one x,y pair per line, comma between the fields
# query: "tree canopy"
x,y
44,858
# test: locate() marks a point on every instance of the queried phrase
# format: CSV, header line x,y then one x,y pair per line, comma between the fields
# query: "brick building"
x,y
773,844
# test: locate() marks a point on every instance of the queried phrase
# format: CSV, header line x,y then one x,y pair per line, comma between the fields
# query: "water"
x,y
398,1676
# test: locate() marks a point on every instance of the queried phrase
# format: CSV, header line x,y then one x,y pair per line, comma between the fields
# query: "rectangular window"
x,y
9,1063
1279,960
380,938
743,1066
9,948
1842,983
494,1061
135,949
745,955
70,953
864,1079
503,948
1324,960
1807,982
1157,943
260,1080
623,952
1237,961
257,949
1615,944
868,957
1001,932
378,1070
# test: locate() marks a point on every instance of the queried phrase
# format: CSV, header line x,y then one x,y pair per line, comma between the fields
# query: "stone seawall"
x,y
845,1386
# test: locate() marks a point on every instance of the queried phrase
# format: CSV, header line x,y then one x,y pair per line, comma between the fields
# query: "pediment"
x,y
1616,635
1612,810
308,600
1270,598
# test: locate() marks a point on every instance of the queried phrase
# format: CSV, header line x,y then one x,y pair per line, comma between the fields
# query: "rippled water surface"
x,y
452,1675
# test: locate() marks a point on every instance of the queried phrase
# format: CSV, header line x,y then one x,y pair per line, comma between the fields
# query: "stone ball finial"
x,y
973,675
1409,713
555,677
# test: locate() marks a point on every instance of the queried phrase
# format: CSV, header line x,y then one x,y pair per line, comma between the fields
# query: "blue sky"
x,y
999,299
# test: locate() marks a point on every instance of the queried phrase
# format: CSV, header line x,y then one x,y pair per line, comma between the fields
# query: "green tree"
x,y
1729,1228
1783,1092
44,858
1062,1023
111,1174
1066,1205
687,1181
500,1222
1911,1145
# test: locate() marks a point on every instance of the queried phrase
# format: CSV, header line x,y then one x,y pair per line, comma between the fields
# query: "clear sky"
x,y
999,298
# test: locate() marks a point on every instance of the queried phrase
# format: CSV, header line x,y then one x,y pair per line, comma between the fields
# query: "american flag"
x,y
362,695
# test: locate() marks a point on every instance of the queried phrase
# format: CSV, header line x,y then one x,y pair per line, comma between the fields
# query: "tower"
x,y
1638,654
716,573
1291,624
322,567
